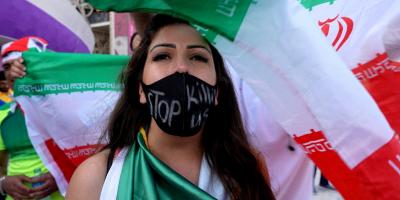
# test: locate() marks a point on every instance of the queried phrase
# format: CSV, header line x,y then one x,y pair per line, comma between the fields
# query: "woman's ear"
x,y
142,95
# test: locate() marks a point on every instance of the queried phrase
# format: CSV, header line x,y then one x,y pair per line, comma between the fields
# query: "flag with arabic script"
x,y
365,34
278,49
66,99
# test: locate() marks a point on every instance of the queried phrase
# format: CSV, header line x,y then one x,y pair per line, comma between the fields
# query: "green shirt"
x,y
22,157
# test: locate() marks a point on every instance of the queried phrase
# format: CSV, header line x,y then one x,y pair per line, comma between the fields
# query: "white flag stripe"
x,y
72,120
319,93
391,38
370,17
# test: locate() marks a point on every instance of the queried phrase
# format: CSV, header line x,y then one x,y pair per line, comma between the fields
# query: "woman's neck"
x,y
183,154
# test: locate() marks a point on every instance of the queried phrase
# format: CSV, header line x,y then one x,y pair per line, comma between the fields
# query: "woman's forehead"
x,y
178,33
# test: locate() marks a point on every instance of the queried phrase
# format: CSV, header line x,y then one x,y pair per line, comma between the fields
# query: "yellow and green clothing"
x,y
5,97
22,157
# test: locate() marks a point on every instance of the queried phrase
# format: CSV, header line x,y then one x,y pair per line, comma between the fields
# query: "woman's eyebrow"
x,y
198,46
163,45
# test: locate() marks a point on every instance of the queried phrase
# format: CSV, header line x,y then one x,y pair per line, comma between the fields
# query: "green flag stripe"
x,y
54,73
310,4
225,17
143,176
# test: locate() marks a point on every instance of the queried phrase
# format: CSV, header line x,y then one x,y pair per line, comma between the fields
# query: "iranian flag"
x,y
277,47
66,99
364,33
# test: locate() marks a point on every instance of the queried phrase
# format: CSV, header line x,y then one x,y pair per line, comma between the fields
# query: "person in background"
x,y
134,42
26,177
140,20
5,91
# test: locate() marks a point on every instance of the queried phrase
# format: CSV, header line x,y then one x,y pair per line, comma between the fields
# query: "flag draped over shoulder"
x,y
282,54
144,176
66,99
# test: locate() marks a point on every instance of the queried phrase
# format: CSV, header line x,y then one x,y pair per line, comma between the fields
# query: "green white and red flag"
x,y
364,33
279,50
66,99
276,47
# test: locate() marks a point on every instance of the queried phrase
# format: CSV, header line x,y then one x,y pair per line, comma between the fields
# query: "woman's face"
x,y
178,48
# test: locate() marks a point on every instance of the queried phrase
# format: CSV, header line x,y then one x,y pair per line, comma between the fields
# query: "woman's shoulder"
x,y
87,180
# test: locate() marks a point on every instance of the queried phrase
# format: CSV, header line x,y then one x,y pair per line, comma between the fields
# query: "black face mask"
x,y
180,103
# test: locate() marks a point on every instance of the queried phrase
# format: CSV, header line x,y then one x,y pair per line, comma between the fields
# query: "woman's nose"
x,y
182,66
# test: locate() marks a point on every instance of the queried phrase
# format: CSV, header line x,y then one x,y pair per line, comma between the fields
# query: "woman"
x,y
176,127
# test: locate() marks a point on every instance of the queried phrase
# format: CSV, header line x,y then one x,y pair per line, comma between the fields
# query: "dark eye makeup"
x,y
166,56
199,58
161,56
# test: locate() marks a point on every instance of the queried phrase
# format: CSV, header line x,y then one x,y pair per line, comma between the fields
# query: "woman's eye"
x,y
199,58
159,57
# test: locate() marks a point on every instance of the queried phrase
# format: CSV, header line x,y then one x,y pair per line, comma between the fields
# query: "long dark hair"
x,y
224,139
